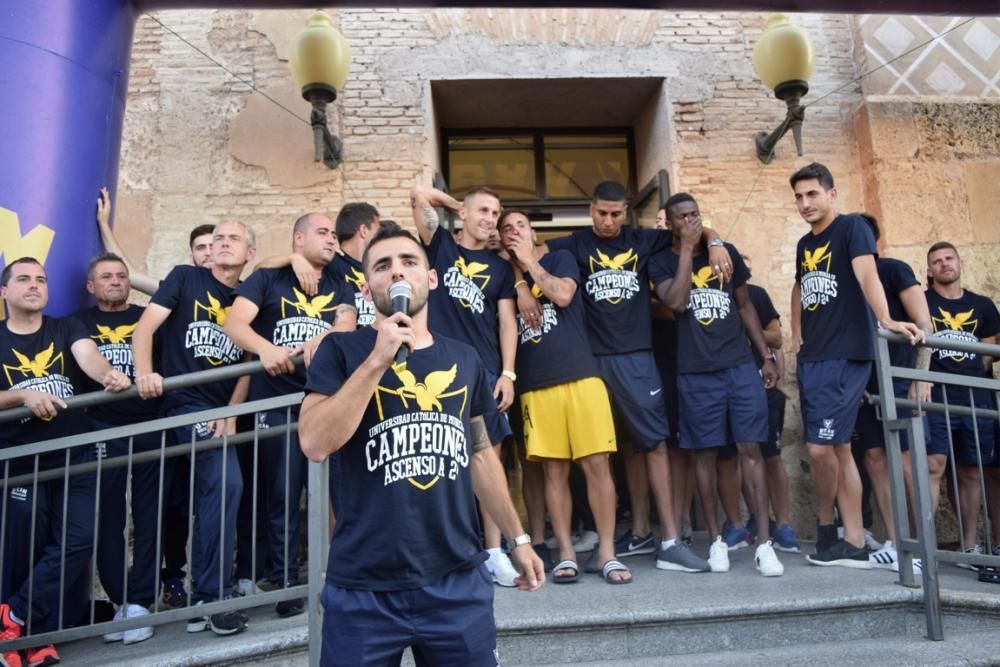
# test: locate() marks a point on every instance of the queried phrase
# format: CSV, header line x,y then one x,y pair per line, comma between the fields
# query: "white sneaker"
x,y
885,558
246,587
120,635
136,635
501,568
977,549
767,561
585,541
718,556
871,542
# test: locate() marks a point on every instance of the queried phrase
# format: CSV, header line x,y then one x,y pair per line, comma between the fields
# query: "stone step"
x,y
957,650
661,618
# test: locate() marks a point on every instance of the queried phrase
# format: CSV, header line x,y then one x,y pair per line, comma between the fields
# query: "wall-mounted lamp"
x,y
783,58
319,59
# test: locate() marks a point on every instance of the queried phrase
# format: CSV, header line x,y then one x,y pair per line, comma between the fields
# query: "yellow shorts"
x,y
568,421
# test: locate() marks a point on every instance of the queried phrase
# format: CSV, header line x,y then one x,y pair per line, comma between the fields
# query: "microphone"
x,y
400,293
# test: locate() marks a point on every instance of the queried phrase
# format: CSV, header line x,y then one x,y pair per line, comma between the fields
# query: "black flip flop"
x,y
566,579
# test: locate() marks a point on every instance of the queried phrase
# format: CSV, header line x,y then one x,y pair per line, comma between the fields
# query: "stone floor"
x,y
654,596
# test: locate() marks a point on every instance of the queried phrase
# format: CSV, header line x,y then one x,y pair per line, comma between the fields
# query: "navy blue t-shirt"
x,y
762,303
350,273
193,338
112,332
558,351
615,285
289,318
836,320
969,318
42,361
471,284
710,333
406,511
897,276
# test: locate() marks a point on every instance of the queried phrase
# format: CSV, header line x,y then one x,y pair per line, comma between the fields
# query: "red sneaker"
x,y
43,655
9,630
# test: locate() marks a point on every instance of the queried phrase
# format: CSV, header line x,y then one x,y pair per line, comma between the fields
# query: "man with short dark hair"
x,y
110,324
836,292
44,361
960,314
192,304
475,304
413,449
274,319
613,261
721,394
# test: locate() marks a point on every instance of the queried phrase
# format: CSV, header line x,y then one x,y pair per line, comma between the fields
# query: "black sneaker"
x,y
223,623
826,536
843,554
287,608
631,544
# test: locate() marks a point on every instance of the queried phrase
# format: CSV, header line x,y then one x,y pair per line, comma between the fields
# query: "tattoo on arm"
x,y
430,217
923,362
480,437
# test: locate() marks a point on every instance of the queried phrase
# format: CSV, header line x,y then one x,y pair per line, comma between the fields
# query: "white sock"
x,y
666,544
15,618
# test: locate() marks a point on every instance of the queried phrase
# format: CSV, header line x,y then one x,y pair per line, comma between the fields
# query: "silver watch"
x,y
522,539
716,243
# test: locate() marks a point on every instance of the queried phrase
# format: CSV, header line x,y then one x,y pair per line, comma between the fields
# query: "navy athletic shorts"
x,y
447,624
633,381
963,429
720,407
831,393
497,424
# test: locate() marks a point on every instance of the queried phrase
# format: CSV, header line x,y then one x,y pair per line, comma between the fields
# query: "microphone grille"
x,y
400,288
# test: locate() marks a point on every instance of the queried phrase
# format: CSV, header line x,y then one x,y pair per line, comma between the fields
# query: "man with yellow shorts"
x,y
564,404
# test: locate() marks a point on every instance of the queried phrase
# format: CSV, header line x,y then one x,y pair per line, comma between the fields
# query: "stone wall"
x,y
201,146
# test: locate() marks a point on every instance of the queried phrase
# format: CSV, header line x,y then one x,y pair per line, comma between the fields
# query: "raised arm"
x,y
137,279
559,291
423,201
718,255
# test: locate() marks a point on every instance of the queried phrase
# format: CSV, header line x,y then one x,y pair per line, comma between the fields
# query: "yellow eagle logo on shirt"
x,y
35,367
355,277
114,335
705,277
472,270
303,305
957,322
214,309
430,394
620,262
814,258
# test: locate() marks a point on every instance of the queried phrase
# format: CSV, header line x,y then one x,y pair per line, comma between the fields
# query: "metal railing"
x,y
79,464
902,415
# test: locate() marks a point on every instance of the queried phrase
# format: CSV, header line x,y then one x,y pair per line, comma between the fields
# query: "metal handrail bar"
x,y
174,382
965,411
937,343
164,423
953,379
149,456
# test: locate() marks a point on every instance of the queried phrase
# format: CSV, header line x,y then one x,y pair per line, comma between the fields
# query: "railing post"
x,y
319,542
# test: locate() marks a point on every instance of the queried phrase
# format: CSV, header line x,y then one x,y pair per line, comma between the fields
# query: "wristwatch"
x,y
510,375
716,243
522,539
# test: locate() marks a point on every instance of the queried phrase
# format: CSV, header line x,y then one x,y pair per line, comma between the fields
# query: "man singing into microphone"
x,y
406,566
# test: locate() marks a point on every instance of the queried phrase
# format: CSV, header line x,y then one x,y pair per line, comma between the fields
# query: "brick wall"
x,y
201,147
